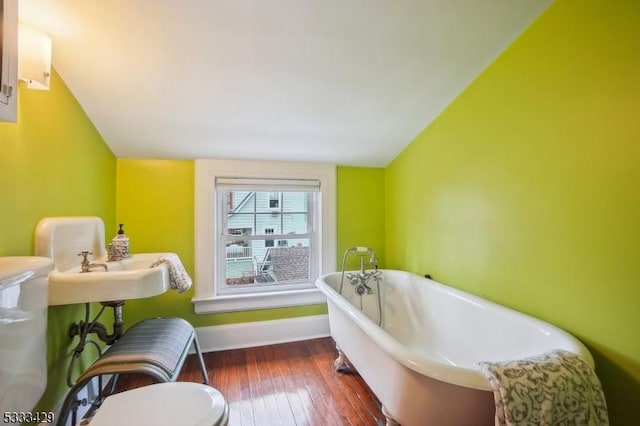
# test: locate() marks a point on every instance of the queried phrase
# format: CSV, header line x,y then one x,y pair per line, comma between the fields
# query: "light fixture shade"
x,y
34,58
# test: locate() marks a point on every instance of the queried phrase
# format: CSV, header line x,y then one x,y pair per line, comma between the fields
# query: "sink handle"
x,y
84,255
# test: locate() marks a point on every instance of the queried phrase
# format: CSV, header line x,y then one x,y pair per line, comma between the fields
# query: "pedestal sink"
x,y
130,278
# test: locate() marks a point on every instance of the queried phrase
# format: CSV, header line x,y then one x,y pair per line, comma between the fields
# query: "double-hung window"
x,y
265,231
279,245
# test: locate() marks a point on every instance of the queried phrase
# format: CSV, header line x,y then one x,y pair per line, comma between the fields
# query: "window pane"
x,y
268,224
240,271
237,200
279,261
296,201
240,223
238,249
267,213
296,223
263,201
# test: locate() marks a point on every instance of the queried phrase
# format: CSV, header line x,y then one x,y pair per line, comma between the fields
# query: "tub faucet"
x,y
373,261
86,266
360,278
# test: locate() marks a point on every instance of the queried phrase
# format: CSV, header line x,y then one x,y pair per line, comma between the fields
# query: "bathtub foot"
x,y
340,364
390,420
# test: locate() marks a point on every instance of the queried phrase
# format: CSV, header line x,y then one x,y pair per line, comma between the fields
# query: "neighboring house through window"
x,y
265,231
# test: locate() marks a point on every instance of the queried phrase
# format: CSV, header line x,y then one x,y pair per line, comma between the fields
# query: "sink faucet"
x,y
86,266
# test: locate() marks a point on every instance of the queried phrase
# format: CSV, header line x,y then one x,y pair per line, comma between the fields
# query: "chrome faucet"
x,y
86,266
359,279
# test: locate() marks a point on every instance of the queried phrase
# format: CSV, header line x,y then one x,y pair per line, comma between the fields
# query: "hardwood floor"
x,y
285,384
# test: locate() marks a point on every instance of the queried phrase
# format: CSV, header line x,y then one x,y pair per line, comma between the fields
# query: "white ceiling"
x,y
350,82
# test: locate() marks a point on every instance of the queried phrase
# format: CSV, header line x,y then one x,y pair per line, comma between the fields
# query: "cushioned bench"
x,y
157,347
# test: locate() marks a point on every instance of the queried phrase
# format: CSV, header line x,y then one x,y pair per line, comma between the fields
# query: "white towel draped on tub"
x,y
556,388
178,277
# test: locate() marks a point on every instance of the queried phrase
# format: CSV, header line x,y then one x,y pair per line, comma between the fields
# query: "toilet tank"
x,y
23,326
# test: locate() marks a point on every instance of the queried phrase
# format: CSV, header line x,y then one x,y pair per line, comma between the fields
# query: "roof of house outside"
x,y
289,263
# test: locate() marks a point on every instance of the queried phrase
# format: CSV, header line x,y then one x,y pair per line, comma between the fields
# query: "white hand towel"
x,y
178,278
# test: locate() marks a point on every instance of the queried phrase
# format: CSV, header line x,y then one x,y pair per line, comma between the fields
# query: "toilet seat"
x,y
176,403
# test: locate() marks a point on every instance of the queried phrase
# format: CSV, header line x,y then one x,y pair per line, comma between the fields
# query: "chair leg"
x,y
69,402
203,368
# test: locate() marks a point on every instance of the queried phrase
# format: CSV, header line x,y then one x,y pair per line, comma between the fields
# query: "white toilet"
x,y
179,403
23,327
23,315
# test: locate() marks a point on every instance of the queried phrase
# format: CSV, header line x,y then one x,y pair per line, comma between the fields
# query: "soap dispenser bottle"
x,y
121,243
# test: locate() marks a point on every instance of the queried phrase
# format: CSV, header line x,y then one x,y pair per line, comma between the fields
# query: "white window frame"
x,y
208,298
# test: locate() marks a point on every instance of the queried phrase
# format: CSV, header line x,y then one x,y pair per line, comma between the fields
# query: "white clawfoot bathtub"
x,y
422,361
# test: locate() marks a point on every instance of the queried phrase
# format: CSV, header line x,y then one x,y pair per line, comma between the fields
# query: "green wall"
x,y
529,186
360,203
53,162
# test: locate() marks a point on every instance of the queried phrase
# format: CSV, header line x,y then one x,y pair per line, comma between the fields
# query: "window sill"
x,y
246,302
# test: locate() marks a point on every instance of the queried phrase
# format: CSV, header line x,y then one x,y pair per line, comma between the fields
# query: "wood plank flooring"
x,y
285,384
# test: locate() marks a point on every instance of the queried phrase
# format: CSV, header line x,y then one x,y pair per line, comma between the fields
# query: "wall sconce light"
x,y
34,58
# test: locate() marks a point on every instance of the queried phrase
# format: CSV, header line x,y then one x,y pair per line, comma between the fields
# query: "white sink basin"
x,y
130,278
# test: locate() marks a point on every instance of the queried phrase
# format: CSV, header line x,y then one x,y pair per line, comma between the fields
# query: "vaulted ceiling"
x,y
343,81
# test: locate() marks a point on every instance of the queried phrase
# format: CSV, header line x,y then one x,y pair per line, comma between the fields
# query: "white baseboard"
x,y
260,333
